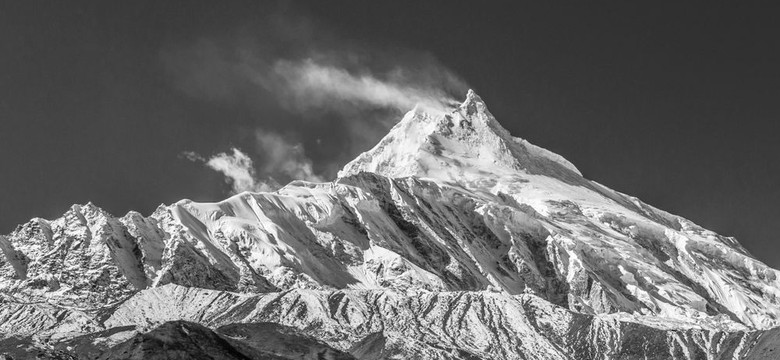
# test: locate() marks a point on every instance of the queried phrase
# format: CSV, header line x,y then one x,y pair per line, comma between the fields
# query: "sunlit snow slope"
x,y
444,203
611,251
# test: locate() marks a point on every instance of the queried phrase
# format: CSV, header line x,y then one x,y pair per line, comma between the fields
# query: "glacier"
x,y
449,239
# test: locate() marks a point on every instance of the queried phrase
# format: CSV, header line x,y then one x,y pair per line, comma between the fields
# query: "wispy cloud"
x,y
307,67
281,158
284,157
237,167
312,77
310,85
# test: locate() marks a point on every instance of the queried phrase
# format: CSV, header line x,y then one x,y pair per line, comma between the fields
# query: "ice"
x,y
447,215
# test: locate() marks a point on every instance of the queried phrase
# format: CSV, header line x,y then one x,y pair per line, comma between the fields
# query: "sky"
x,y
133,104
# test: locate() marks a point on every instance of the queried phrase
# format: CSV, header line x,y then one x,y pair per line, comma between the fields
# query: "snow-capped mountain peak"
x,y
468,148
449,230
460,146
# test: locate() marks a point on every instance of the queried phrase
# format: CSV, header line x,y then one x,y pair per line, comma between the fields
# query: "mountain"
x,y
449,239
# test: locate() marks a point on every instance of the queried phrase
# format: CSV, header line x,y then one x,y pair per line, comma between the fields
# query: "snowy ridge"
x,y
679,261
447,214
465,141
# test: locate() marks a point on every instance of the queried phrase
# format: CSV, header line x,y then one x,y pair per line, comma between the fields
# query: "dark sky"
x,y
676,104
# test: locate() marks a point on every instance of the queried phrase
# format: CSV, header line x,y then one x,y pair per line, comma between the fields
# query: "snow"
x,y
446,203
469,149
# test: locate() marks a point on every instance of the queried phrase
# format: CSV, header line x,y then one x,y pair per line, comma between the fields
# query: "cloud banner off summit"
x,y
362,88
279,157
448,230
308,179
308,67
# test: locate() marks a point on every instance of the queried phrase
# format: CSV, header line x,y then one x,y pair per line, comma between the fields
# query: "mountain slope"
x,y
447,212
647,259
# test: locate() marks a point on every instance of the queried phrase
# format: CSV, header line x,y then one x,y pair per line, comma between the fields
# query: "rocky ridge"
x,y
449,239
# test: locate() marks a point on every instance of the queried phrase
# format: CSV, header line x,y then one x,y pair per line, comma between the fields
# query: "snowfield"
x,y
449,239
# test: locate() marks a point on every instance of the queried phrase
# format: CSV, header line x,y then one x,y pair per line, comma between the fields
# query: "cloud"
x,y
322,91
281,159
192,156
284,158
310,85
306,67
237,167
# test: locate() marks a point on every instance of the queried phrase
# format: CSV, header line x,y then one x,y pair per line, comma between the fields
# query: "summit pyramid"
x,y
449,239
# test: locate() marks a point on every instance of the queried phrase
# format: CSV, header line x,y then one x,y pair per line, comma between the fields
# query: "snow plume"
x,y
336,96
307,67
310,85
237,167
284,157
280,159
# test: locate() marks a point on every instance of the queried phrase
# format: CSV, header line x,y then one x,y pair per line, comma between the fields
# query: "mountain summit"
x,y
618,241
467,141
449,239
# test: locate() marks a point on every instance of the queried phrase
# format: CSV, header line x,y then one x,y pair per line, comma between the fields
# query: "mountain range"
x,y
450,239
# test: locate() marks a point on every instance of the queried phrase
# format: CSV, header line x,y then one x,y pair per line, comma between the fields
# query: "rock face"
x,y
449,239
186,340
